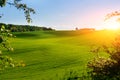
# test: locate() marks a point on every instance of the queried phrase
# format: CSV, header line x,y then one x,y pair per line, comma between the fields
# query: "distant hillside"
x,y
24,28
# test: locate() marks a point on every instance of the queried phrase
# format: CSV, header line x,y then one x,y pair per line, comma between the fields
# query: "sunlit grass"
x,y
51,53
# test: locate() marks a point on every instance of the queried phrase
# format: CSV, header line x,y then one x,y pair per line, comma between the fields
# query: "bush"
x,y
106,68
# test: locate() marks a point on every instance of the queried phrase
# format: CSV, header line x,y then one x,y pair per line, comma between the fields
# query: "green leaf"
x,y
2,3
1,39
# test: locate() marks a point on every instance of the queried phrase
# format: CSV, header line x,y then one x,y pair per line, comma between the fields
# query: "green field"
x,y
48,55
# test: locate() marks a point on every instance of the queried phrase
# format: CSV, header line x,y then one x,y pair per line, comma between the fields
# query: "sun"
x,y
112,24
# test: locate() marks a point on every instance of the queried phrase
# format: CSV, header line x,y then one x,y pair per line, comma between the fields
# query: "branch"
x,y
113,14
21,6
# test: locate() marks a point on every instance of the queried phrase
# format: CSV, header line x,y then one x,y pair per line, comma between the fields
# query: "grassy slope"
x,y
49,53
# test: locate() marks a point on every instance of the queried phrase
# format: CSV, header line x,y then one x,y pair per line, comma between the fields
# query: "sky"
x,y
62,14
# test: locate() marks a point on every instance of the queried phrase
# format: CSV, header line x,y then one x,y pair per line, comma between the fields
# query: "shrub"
x,y
106,68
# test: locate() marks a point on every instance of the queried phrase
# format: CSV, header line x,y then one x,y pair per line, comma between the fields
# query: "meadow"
x,y
49,55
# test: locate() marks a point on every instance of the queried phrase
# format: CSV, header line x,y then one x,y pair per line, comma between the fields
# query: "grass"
x,y
48,55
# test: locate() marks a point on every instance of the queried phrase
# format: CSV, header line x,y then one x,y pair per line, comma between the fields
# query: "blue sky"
x,y
63,14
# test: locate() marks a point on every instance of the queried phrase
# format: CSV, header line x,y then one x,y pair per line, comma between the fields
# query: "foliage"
x,y
75,75
107,68
71,75
113,14
4,34
24,28
6,61
20,6
2,3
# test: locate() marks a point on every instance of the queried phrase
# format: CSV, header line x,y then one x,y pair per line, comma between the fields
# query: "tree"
x,y
76,28
6,61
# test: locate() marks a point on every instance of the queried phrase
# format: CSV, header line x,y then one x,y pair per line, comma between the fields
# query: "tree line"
x,y
24,28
